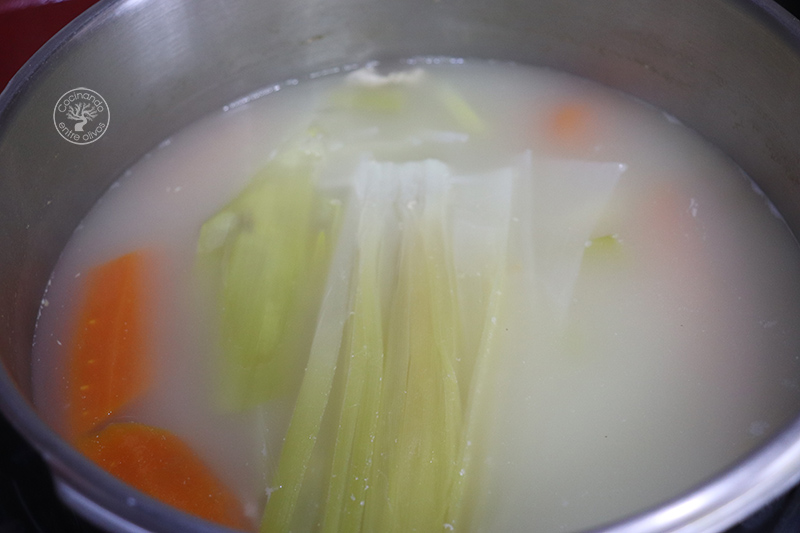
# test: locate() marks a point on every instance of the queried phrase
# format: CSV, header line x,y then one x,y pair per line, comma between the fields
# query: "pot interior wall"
x,y
724,68
720,67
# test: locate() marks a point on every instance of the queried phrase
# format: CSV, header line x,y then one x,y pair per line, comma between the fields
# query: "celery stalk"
x,y
420,410
402,458
266,253
315,388
364,355
459,504
561,234
491,260
606,247
460,110
384,99
424,454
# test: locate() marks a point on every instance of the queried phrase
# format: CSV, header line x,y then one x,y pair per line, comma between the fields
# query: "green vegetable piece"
x,y
420,415
460,503
401,455
607,247
315,389
363,359
266,254
386,99
460,110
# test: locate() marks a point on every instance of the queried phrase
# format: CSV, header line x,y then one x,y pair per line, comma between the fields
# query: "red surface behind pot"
x,y
25,25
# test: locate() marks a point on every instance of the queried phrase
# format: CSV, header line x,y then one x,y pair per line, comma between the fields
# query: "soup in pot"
x,y
443,296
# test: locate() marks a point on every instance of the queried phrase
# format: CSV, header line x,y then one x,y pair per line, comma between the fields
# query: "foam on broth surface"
x,y
660,366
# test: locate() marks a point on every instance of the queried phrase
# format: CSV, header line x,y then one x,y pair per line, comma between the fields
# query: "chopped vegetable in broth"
x,y
439,295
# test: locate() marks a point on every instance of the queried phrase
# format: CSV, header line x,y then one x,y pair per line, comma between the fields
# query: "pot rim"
x,y
719,503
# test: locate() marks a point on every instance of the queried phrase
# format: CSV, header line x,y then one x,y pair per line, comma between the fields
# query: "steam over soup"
x,y
457,296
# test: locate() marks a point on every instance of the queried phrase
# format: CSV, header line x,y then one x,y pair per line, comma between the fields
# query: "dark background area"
x,y
28,503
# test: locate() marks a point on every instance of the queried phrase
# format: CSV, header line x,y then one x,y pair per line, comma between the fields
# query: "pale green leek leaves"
x,y
400,456
364,277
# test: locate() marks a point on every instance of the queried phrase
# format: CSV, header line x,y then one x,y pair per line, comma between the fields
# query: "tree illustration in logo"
x,y
83,112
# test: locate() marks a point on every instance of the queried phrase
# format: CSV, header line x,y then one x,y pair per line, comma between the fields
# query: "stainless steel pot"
x,y
729,69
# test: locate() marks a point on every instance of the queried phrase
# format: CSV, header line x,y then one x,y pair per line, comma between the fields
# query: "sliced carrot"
x,y
570,125
108,361
161,465
676,247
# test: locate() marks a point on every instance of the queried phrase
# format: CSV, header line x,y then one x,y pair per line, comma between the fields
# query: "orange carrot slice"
x,y
161,465
675,245
108,362
570,125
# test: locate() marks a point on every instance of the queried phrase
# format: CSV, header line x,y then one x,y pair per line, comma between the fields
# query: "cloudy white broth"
x,y
441,296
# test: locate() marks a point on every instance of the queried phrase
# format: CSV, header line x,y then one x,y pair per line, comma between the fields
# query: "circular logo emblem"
x,y
81,116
